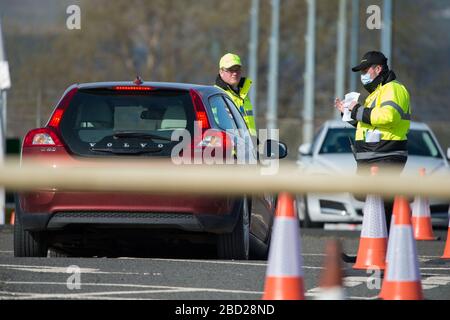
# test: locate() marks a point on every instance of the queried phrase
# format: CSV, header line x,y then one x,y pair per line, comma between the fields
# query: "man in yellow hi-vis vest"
x,y
237,87
382,123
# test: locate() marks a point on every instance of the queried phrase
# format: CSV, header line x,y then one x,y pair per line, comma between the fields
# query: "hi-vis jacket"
x,y
241,100
386,112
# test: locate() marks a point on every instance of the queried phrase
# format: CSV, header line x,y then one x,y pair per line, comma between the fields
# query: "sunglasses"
x,y
233,70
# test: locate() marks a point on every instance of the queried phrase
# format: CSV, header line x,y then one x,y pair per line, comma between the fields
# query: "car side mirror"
x,y
448,153
305,149
275,150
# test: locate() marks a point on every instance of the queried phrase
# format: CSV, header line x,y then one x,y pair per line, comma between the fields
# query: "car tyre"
x,y
27,243
236,245
259,250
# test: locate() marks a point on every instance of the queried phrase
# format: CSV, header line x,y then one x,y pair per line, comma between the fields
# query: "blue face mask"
x,y
365,79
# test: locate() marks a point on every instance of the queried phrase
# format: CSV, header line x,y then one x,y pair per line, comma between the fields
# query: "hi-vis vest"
x,y
243,103
388,111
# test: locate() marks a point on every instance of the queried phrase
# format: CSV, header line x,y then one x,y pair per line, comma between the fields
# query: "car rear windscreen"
x,y
106,122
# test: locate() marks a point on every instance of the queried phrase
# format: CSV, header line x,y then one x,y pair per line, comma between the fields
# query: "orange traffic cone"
x,y
421,218
373,242
13,216
402,279
284,275
389,251
446,254
331,287
395,209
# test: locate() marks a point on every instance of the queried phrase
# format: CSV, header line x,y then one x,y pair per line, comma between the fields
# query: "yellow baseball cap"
x,y
229,60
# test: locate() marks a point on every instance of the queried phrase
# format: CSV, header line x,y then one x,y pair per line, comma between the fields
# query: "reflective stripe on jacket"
x,y
241,100
387,110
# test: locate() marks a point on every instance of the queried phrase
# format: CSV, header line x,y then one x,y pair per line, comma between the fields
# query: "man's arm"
x,y
387,114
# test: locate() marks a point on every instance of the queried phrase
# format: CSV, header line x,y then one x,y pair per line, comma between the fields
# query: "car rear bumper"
x,y
221,218
57,201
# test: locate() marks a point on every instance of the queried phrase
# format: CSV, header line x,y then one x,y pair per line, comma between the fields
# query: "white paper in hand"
x,y
348,99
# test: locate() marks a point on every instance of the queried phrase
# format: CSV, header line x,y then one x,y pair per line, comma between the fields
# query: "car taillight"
x,y
200,111
60,109
56,118
133,88
42,137
209,138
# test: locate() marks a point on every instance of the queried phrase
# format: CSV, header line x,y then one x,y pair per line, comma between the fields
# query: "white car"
x,y
330,153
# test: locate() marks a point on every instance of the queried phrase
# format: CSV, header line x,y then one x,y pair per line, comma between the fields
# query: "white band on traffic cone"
x,y
284,243
389,251
421,207
403,262
374,221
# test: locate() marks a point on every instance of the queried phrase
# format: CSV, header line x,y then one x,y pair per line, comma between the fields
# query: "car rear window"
x,y
94,117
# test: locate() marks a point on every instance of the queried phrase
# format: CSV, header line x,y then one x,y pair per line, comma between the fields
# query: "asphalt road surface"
x,y
195,273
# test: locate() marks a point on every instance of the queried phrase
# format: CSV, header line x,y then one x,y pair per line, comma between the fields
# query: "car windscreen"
x,y
101,122
420,142
337,140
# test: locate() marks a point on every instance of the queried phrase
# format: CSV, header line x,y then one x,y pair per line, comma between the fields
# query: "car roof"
x,y
204,89
341,124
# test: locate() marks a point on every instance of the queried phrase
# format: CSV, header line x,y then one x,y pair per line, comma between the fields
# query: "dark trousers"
x,y
392,165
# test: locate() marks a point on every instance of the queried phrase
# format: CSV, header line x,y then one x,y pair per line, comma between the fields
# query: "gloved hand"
x,y
339,104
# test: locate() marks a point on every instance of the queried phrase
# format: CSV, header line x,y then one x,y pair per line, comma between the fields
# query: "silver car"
x,y
330,153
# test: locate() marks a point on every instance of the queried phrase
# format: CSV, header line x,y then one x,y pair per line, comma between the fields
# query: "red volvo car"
x,y
95,123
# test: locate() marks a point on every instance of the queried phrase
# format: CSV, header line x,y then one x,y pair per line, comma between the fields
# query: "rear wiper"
x,y
125,134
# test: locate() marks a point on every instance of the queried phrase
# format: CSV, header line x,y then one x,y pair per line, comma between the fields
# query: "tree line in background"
x,y
182,41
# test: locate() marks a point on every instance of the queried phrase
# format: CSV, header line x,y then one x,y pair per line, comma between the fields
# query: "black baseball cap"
x,y
369,59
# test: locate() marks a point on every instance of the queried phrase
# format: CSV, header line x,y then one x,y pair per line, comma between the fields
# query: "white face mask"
x,y
365,78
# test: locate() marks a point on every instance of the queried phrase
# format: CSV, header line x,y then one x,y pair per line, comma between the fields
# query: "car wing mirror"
x,y
305,149
448,153
274,149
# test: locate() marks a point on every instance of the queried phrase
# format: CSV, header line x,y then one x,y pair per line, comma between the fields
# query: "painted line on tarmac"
x,y
157,289
364,298
29,295
427,283
434,282
123,285
317,294
13,297
263,264
52,269
106,295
